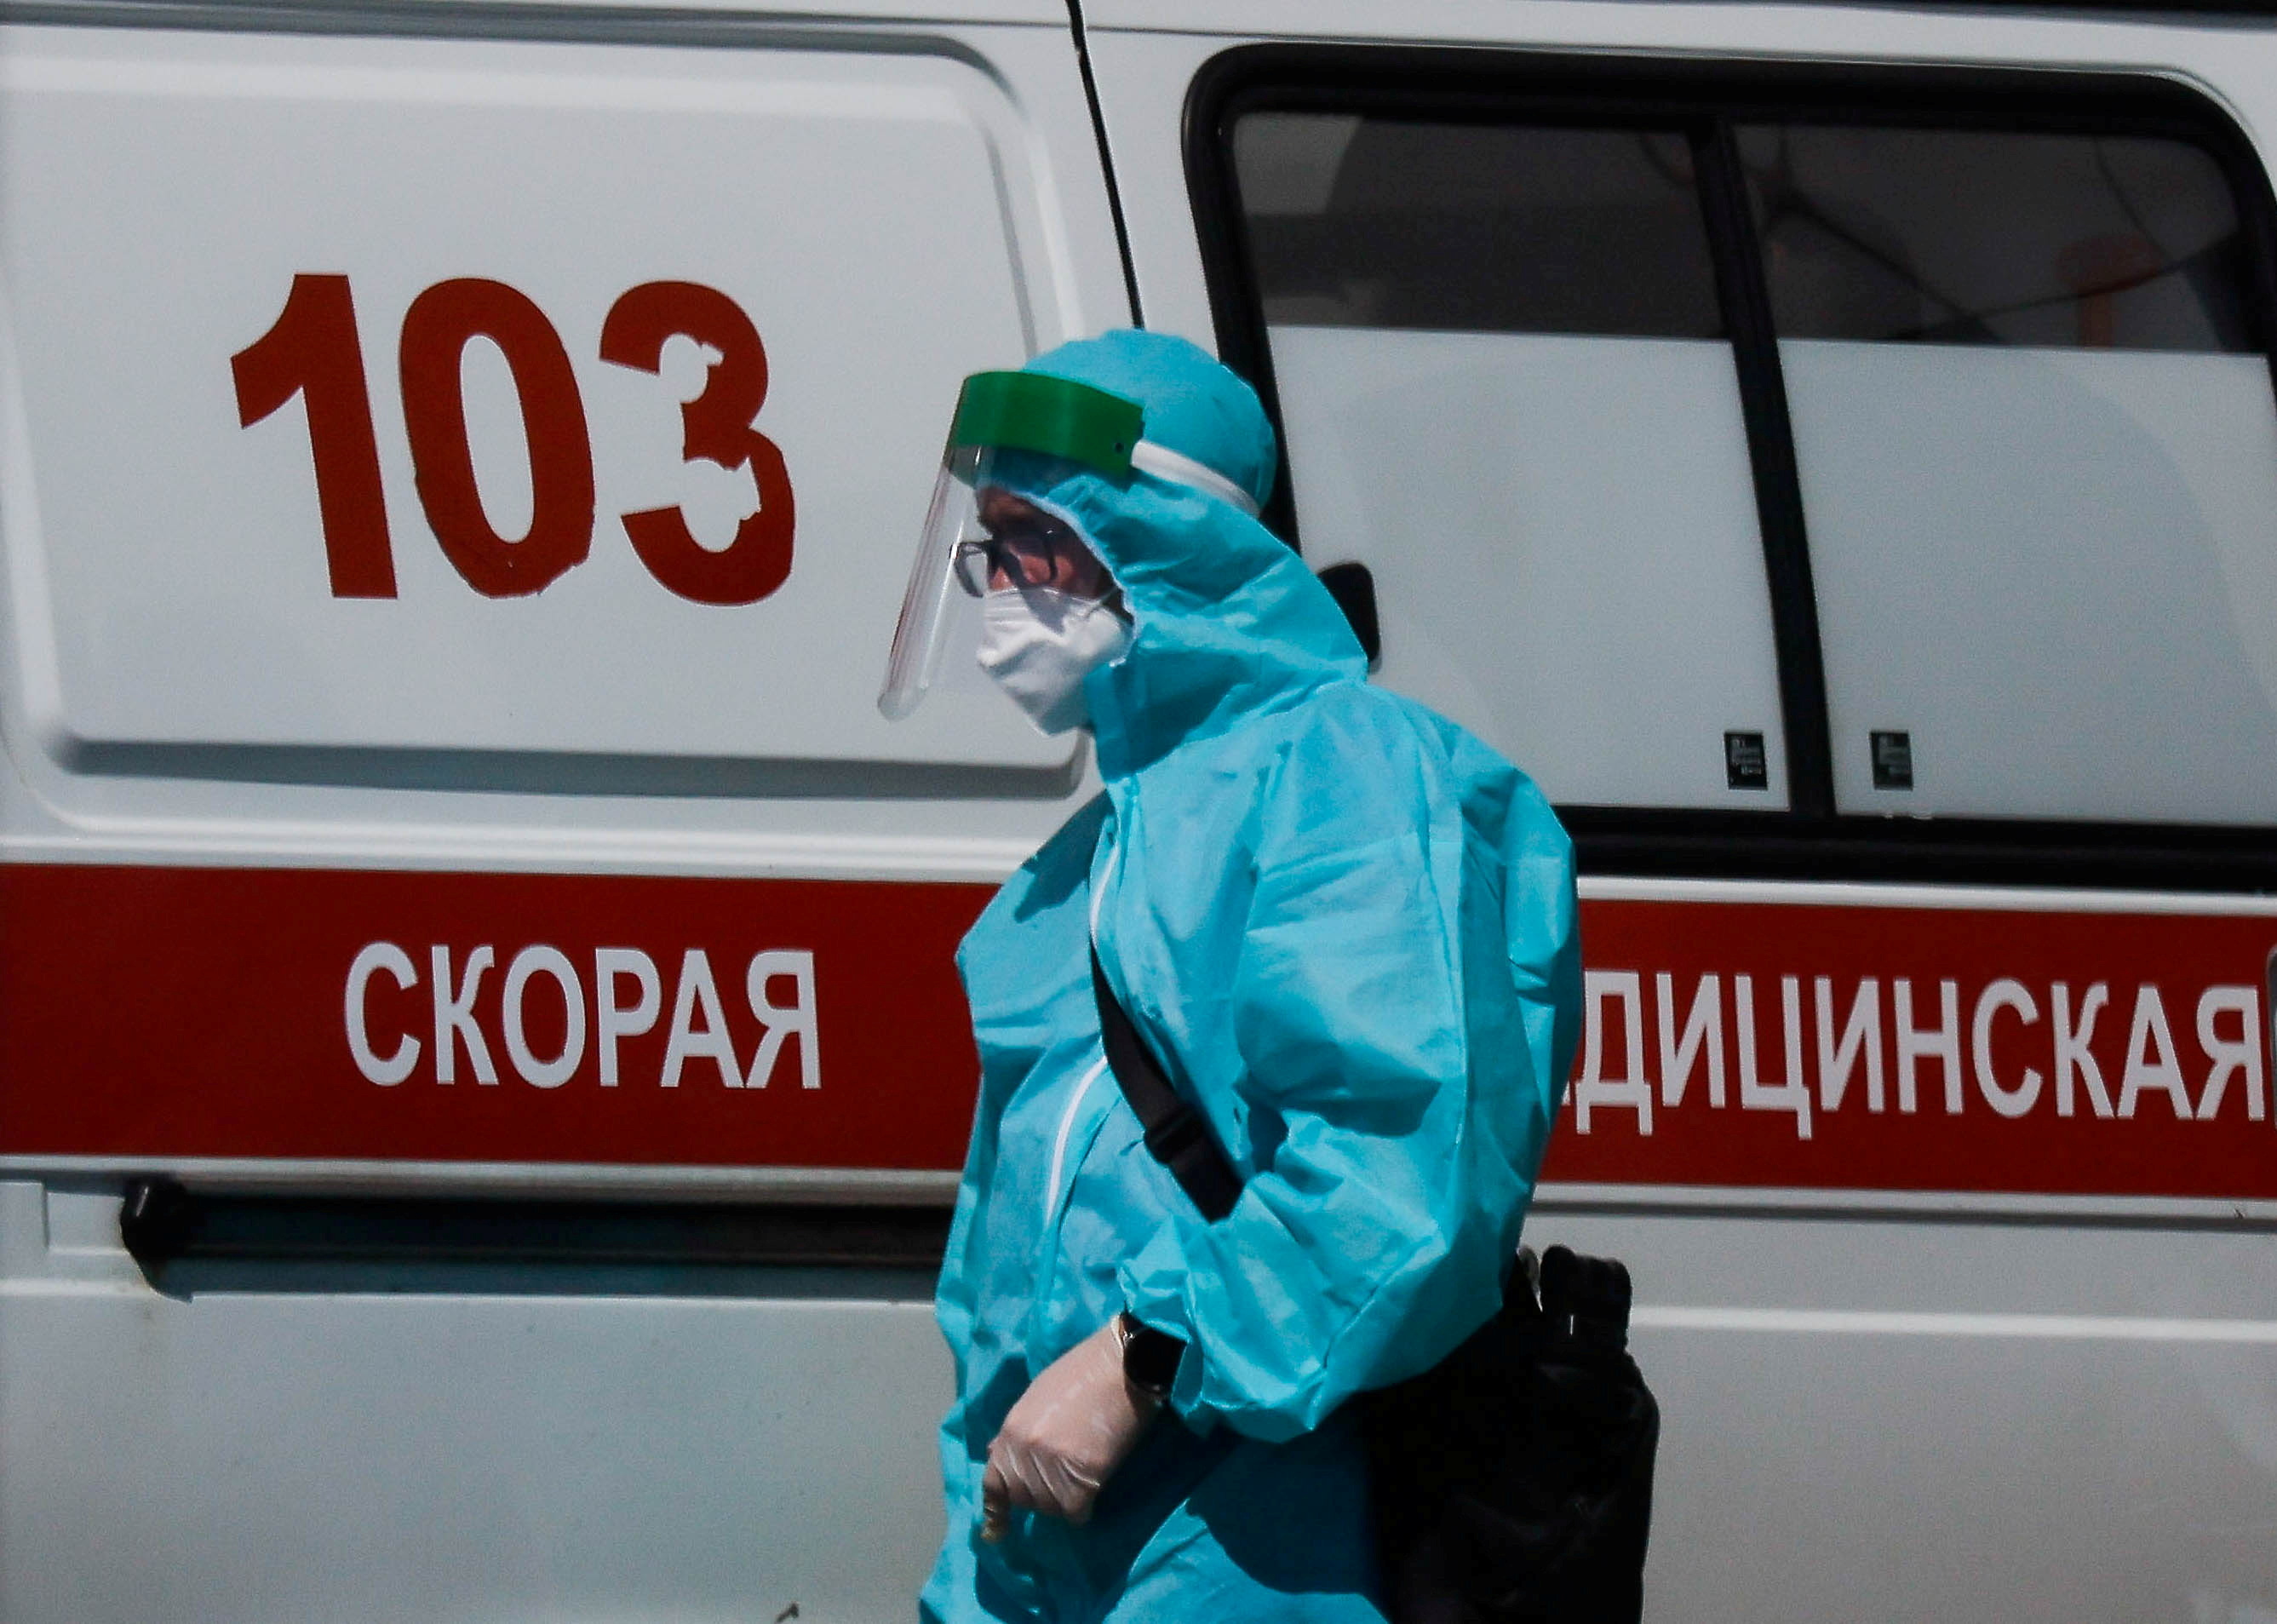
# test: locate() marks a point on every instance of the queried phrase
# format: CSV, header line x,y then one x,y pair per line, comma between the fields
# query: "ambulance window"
x,y
2037,449
1504,387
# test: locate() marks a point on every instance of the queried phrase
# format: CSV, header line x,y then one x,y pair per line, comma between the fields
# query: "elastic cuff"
x,y
1150,1290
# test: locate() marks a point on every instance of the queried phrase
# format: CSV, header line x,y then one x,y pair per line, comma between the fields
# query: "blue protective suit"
x,y
1348,928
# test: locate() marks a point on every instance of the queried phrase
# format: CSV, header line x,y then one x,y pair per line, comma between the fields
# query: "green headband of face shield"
x,y
1038,415
1034,411
1059,417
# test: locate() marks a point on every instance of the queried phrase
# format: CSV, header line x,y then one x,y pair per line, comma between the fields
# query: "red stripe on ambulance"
x,y
270,1013
477,1017
1888,1048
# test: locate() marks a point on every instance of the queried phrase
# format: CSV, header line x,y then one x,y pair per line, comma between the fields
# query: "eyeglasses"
x,y
1023,555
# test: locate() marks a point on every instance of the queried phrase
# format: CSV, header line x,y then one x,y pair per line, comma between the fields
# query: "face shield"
x,y
977,531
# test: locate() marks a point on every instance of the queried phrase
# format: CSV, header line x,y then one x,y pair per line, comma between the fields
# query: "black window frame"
x,y
1810,839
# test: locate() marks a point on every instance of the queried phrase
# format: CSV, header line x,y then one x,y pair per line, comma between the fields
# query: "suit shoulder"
x,y
1350,722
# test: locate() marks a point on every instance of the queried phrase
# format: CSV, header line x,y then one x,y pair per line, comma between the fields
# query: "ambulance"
x,y
482,1070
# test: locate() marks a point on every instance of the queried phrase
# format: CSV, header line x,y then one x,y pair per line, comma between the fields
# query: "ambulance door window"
x,y
1506,387
2038,447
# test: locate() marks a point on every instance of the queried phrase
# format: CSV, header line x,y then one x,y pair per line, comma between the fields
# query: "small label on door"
x,y
1744,765
1893,760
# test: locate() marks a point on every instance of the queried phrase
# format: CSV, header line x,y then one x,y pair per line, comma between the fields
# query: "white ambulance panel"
x,y
429,247
335,349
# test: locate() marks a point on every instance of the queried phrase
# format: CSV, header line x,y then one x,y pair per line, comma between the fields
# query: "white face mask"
x,y
1039,642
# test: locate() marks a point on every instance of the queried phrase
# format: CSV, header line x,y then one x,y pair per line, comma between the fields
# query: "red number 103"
x,y
312,350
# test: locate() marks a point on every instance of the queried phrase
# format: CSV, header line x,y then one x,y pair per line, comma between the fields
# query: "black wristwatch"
x,y
1150,1357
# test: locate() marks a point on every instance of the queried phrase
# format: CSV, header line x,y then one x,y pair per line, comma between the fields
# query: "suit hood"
x,y
1227,621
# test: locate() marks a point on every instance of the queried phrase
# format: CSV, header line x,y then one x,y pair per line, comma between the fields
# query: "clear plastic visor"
x,y
979,536
935,611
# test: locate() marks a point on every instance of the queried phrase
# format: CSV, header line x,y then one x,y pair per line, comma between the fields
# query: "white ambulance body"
x,y
481,1071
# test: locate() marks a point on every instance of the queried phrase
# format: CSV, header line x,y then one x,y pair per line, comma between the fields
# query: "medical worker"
x,y
1346,929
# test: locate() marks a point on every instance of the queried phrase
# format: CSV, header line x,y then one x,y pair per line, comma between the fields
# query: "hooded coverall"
x,y
1347,929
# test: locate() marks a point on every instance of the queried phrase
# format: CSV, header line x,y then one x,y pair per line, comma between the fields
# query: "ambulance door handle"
x,y
1353,587
158,1221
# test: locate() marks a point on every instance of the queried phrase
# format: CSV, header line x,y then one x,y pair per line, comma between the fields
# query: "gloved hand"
x,y
1067,1434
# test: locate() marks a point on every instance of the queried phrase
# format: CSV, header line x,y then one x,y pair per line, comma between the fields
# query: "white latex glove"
x,y
1068,1433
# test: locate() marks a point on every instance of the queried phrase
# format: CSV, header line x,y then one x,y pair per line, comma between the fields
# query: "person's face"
x,y
1028,547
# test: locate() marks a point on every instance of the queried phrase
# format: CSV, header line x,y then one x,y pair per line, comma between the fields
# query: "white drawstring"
x,y
1180,468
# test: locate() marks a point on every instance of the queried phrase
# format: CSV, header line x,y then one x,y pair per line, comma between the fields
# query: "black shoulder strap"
x,y
1177,1135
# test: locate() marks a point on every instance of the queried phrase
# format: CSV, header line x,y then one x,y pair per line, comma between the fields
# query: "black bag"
x,y
1511,1481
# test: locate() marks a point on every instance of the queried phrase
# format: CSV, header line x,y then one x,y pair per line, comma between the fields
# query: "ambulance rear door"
x,y
1834,449
459,467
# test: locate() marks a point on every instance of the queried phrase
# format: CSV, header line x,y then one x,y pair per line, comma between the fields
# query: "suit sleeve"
x,y
1393,1160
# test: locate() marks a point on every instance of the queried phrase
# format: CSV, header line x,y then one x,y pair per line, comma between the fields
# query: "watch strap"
x,y
1150,1357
